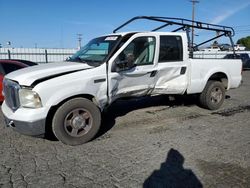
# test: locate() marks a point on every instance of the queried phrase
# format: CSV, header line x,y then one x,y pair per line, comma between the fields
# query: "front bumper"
x,y
36,128
26,121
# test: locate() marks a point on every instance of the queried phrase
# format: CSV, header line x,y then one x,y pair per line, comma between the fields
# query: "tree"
x,y
245,41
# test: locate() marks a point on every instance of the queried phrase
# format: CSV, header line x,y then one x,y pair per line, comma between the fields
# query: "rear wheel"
x,y
77,121
212,97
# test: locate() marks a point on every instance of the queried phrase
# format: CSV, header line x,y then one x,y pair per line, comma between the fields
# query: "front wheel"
x,y
212,97
77,121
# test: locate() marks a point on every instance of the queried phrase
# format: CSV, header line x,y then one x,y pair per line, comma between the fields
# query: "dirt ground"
x,y
147,142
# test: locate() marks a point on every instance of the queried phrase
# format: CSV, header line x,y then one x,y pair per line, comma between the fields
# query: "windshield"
x,y
95,52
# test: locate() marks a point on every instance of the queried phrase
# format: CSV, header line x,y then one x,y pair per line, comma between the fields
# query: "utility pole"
x,y
193,11
79,37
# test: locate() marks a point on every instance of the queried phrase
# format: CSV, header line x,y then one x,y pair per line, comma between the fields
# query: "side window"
x,y
139,52
170,49
9,67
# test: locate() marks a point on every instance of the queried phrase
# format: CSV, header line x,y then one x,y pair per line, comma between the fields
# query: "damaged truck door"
x,y
172,76
133,68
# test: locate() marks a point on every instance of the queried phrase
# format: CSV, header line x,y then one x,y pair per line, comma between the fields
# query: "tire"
x,y
76,121
213,95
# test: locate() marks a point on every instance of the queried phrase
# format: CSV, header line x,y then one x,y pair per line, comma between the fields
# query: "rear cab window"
x,y
171,49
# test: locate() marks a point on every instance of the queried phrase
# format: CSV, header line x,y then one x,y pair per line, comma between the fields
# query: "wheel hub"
x,y
78,122
216,95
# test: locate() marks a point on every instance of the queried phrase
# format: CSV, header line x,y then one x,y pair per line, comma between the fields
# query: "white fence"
x,y
38,55
216,54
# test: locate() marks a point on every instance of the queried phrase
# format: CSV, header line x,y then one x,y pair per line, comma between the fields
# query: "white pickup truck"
x,y
69,96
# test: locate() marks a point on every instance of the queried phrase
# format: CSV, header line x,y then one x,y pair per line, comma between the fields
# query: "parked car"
x,y
244,58
211,49
7,66
239,47
29,63
225,47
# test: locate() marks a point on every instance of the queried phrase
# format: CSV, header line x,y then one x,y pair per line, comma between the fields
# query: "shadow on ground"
x,y
172,174
124,106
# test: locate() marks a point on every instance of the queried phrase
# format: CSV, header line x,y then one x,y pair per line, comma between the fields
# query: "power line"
x,y
241,26
239,30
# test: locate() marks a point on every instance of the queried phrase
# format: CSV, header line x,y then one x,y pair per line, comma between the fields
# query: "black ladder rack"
x,y
185,24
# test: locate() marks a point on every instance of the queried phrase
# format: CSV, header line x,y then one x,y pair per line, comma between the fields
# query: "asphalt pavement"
x,y
147,142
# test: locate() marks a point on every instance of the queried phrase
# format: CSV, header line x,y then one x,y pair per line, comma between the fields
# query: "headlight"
x,y
29,99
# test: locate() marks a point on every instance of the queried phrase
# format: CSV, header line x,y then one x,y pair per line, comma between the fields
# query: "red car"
x,y
7,66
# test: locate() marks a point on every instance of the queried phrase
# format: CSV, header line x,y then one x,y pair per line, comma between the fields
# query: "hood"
x,y
35,74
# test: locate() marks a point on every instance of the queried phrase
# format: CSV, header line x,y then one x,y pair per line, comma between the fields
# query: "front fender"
x,y
53,92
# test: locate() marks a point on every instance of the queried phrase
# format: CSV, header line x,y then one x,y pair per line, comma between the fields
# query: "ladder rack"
x,y
185,24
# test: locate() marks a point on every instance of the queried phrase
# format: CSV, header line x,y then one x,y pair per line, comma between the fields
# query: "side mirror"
x,y
68,58
126,64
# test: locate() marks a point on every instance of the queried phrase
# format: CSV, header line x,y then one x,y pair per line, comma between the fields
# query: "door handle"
x,y
183,70
153,73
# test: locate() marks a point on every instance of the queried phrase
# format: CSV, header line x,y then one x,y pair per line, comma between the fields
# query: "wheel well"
x,y
222,77
48,124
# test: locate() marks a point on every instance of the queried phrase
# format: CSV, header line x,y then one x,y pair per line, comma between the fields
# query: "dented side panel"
x,y
132,83
171,79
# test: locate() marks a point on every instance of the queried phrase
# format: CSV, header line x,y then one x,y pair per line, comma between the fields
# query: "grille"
x,y
10,90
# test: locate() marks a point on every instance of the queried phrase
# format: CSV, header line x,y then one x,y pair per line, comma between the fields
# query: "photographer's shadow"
x,y
172,174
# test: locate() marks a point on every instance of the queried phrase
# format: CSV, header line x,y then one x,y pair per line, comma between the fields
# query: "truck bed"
x,y
202,69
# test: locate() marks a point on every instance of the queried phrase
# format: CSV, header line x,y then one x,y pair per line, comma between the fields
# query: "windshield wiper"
x,y
77,59
91,61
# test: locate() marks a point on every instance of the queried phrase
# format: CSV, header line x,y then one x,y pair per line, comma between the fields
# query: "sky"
x,y
56,23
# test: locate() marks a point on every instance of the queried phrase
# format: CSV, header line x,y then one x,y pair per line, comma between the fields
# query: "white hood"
x,y
27,76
